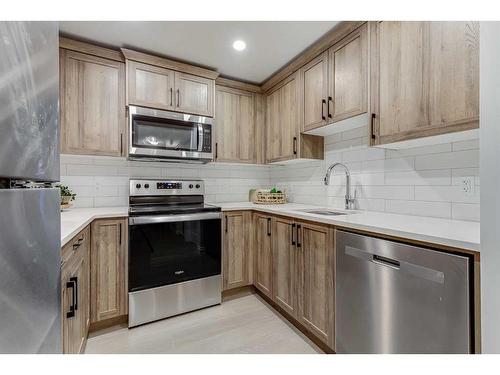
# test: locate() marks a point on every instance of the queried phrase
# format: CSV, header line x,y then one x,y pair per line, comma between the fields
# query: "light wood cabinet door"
x,y
426,79
263,269
108,269
236,259
273,126
314,92
348,76
194,94
75,286
289,118
283,120
284,282
150,86
315,267
92,104
235,130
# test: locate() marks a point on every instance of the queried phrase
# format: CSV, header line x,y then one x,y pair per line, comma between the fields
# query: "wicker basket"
x,y
269,198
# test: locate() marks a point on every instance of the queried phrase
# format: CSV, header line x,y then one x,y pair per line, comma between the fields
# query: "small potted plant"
x,y
67,196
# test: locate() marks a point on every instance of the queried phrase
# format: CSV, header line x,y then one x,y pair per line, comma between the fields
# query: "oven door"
x,y
156,134
170,249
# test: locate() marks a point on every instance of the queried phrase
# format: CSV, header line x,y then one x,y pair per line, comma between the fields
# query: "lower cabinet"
x,y
109,298
236,252
75,289
263,256
284,265
294,266
315,283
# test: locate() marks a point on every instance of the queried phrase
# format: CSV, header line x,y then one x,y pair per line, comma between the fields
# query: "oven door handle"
x,y
156,219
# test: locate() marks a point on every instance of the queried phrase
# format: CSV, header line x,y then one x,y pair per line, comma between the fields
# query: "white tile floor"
x,y
242,325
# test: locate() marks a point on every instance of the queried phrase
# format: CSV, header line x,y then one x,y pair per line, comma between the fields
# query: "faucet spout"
x,y
349,200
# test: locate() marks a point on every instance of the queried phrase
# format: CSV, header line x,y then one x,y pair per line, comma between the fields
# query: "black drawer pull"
x,y
298,229
71,312
75,281
293,229
268,226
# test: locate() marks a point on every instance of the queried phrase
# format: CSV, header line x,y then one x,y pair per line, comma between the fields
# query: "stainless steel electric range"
x,y
174,249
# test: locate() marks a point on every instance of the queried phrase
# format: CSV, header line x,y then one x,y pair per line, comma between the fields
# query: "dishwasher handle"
x,y
401,266
378,259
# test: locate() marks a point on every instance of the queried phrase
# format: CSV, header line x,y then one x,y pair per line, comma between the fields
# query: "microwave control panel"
x,y
207,139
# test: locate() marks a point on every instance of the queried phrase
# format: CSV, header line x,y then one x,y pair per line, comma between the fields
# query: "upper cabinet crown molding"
x,y
235,84
168,64
337,33
90,49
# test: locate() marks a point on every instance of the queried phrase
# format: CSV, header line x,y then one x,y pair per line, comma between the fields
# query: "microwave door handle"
x,y
200,137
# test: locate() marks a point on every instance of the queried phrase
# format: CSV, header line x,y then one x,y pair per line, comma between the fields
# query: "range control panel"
x,y
166,187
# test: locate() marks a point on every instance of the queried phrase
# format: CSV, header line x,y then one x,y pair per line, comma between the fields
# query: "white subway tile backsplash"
x,y
425,181
422,181
458,159
104,181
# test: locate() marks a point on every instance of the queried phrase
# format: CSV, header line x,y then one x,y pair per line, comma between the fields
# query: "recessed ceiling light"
x,y
239,45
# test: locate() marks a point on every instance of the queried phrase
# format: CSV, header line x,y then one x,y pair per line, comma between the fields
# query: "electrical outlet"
x,y
468,185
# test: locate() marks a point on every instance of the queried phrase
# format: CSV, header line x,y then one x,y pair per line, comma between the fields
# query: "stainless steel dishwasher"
x,y
396,298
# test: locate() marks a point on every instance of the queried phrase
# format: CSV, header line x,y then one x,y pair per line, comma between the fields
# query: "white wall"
x,y
103,181
418,181
490,175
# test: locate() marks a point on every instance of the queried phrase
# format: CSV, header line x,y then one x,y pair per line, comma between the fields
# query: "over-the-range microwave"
x,y
169,136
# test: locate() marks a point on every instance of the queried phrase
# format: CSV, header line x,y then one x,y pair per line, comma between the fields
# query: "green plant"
x,y
67,192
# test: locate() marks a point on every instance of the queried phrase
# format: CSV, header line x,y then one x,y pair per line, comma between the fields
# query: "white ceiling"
x,y
270,44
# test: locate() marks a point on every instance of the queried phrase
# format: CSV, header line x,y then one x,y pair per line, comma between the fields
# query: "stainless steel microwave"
x,y
169,136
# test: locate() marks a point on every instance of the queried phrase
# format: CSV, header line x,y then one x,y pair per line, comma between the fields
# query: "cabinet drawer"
x,y
76,246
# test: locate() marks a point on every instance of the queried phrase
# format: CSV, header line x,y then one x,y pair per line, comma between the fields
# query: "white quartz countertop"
x,y
453,233
74,220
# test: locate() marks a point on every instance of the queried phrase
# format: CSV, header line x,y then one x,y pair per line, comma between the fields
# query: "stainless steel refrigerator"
x,y
30,241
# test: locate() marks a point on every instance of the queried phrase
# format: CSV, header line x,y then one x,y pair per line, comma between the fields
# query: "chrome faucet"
x,y
349,200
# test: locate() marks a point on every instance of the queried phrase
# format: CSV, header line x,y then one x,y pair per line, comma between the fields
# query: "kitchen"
x,y
201,196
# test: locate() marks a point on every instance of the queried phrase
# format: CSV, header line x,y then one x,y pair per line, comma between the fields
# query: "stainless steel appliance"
x,y
169,136
30,263
397,298
174,249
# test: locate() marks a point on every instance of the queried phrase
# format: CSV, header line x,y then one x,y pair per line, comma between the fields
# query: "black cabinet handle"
x,y
373,125
171,96
268,226
178,98
71,312
295,145
328,106
216,149
74,279
226,223
120,235
298,228
121,143
323,102
293,228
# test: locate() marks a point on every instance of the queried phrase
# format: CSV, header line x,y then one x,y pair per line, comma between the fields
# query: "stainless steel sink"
x,y
327,212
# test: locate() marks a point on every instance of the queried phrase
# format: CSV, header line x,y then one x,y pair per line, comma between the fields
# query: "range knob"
x,y
197,186
138,186
190,186
146,186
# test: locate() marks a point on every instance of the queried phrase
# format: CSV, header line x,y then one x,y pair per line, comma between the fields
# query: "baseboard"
x,y
296,323
108,323
242,291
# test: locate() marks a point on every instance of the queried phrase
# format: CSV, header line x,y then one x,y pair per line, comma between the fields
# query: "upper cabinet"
x,y
156,82
334,85
284,140
150,86
194,94
235,125
425,79
92,104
